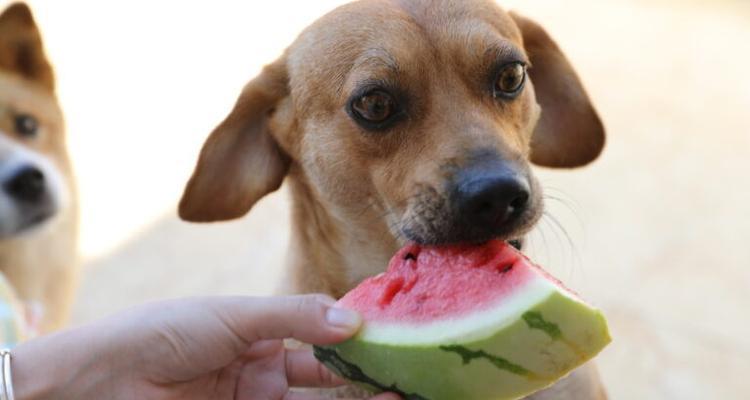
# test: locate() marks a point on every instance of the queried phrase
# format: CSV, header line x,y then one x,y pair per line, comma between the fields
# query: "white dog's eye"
x,y
26,125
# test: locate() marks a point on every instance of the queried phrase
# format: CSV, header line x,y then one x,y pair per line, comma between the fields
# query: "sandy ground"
x,y
657,230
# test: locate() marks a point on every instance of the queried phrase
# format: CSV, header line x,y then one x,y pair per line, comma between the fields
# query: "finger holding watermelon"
x,y
465,322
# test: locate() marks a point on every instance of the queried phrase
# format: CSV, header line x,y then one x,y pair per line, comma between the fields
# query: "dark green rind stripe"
x,y
353,373
535,320
501,363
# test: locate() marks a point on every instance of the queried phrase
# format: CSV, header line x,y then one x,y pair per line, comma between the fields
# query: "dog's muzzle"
x,y
486,198
25,200
32,189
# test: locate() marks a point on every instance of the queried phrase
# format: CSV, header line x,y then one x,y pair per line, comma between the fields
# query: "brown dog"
x,y
38,215
396,121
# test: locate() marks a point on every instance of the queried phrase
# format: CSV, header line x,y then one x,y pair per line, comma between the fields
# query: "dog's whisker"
x,y
547,188
559,242
567,205
573,207
388,217
546,248
561,197
370,205
559,229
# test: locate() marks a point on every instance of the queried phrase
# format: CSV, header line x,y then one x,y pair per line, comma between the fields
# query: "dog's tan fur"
x,y
358,195
40,264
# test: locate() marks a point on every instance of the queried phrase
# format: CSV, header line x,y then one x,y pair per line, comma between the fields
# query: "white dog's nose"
x,y
27,186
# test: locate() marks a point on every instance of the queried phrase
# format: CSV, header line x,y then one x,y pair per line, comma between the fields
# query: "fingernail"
x,y
343,318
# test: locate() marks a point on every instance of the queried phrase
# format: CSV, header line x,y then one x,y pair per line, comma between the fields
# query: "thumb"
x,y
311,319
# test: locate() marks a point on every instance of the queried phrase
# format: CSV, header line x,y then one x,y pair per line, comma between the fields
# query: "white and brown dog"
x,y
401,120
38,215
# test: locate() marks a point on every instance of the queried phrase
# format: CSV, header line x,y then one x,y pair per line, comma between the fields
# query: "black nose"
x,y
26,186
492,200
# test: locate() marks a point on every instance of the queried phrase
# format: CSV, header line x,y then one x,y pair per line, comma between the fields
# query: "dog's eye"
x,y
510,80
26,125
374,107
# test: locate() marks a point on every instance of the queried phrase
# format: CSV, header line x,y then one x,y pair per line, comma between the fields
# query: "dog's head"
x,y
32,147
424,113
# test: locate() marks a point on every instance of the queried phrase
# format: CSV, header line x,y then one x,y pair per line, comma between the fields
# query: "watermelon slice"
x,y
465,323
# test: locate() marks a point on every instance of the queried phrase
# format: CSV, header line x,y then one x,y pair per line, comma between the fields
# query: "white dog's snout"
x,y
31,187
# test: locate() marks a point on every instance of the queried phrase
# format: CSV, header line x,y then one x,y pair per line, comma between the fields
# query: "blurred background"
x,y
656,232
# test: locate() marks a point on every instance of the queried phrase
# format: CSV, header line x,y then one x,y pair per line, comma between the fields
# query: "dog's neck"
x,y
332,253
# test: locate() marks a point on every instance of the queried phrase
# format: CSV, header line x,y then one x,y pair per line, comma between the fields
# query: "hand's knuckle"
x,y
309,303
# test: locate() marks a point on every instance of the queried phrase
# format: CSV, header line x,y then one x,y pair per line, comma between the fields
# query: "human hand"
x,y
212,348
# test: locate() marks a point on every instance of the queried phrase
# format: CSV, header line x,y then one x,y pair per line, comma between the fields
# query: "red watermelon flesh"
x,y
428,283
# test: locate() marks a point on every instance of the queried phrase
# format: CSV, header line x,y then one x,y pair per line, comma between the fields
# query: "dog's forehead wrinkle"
x,y
450,17
502,49
404,41
377,57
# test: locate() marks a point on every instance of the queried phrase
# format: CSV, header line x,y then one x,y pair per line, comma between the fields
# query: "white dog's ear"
x,y
240,162
569,133
21,49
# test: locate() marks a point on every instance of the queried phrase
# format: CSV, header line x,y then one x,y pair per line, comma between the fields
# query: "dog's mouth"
x,y
517,243
436,224
37,220
490,199
450,231
26,224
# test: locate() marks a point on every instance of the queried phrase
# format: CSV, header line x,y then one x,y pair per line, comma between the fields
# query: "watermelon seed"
x,y
410,256
506,269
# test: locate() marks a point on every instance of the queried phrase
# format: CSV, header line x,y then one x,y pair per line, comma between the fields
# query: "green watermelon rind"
x,y
548,341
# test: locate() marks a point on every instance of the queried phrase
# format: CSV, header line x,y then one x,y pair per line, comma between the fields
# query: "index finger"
x,y
310,318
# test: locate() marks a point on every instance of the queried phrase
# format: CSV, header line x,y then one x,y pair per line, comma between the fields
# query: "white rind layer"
x,y
476,326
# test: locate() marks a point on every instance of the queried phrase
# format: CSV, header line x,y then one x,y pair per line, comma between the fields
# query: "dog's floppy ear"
x,y
21,49
240,162
569,132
